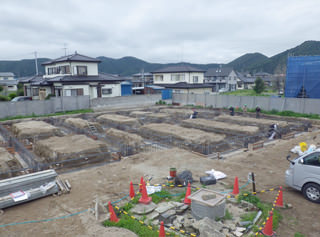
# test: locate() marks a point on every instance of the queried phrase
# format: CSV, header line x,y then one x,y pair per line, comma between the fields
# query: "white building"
x,y
222,78
181,79
72,75
8,82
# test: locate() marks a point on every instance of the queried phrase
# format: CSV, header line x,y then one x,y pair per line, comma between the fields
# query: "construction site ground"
x,y
111,181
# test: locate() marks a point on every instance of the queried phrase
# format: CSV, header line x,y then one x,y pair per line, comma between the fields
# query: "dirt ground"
x,y
34,128
111,182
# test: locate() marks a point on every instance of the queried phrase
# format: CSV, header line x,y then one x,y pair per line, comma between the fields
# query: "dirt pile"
x,y
125,137
30,129
118,121
250,121
62,148
82,124
209,125
181,113
138,114
188,135
7,162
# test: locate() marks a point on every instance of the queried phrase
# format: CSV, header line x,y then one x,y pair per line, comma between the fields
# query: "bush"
x,y
4,98
20,92
259,85
12,95
49,96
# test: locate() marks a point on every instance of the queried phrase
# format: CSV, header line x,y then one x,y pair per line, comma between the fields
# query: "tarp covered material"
x,y
303,77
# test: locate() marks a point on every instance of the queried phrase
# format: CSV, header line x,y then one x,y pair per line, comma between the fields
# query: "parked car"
x,y
222,90
304,175
21,98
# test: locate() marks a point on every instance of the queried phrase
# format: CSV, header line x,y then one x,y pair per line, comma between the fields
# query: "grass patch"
x,y
81,111
298,234
227,216
133,225
250,93
264,207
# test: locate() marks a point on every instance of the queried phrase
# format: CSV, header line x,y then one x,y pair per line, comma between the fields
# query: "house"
x,y
8,82
222,78
144,77
246,81
181,79
72,75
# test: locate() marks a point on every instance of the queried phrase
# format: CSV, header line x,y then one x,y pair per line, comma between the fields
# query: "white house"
x,y
8,82
181,78
72,75
222,78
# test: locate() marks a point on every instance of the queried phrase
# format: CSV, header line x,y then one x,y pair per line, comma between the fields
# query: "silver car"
x,y
304,175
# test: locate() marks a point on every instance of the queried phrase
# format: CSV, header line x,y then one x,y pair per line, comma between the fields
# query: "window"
x,y
35,91
158,78
5,78
74,92
65,70
313,159
106,91
82,70
177,77
195,79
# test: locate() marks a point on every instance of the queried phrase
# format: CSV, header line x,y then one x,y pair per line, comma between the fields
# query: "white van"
x,y
304,175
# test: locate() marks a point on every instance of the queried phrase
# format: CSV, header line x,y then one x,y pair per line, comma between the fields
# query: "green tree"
x,y
1,88
259,85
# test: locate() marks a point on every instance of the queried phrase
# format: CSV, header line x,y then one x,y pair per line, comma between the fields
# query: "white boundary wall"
x,y
299,105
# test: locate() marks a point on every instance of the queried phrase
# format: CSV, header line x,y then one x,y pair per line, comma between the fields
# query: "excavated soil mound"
x,y
209,125
125,137
178,112
82,124
34,128
188,135
7,161
250,120
62,148
138,114
116,120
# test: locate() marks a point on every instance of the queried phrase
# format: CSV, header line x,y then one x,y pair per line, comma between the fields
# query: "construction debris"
x,y
28,187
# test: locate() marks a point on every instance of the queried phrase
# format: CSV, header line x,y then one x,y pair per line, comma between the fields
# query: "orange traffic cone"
x,y
187,201
279,201
113,216
141,184
132,194
145,199
267,230
235,186
162,233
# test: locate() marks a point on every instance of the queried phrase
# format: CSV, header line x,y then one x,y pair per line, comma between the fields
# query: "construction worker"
x,y
231,111
258,110
245,108
194,115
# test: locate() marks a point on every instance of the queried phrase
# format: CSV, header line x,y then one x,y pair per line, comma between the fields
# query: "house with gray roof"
x,y
181,79
72,75
222,78
8,82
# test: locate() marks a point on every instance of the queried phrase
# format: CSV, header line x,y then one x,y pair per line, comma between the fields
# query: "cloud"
x,y
204,31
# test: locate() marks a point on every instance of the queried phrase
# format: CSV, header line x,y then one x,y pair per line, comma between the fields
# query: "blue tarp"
x,y
303,75
166,94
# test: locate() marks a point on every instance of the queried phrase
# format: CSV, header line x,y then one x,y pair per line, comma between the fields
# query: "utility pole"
x,y
36,62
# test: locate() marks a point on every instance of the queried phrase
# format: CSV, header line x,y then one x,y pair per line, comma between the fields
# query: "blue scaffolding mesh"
x,y
303,77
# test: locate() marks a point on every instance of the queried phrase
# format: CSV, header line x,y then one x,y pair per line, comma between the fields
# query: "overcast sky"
x,y
198,31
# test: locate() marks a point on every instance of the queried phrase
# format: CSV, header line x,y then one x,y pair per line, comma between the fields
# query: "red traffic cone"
x,y
141,184
145,199
131,194
113,216
187,201
235,186
267,230
162,233
279,201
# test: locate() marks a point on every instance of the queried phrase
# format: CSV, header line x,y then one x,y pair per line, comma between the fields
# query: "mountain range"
x,y
251,62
